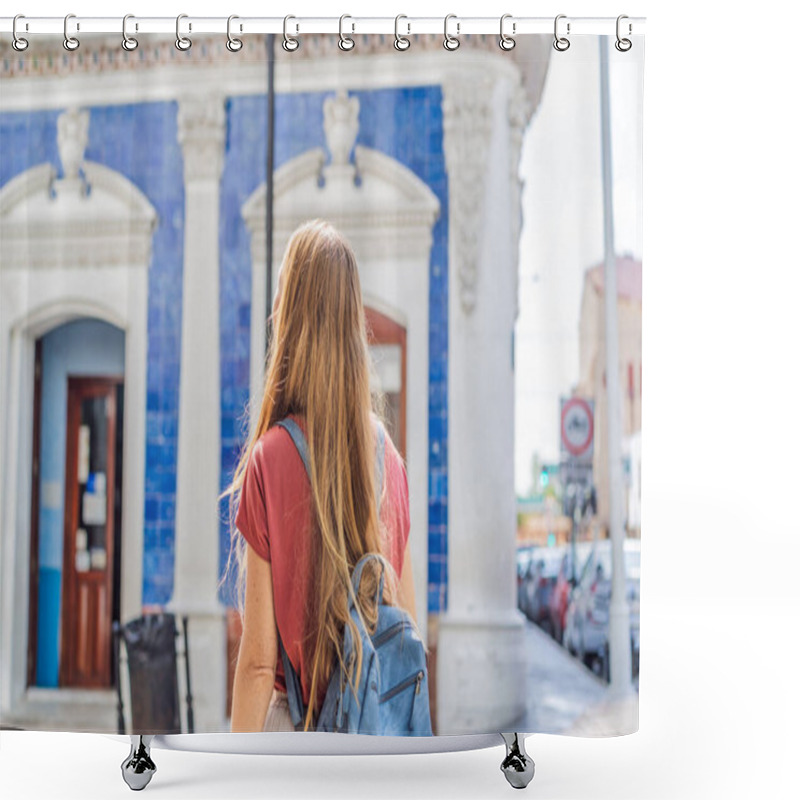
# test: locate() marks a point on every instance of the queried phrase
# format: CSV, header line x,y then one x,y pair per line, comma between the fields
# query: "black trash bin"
x,y
150,643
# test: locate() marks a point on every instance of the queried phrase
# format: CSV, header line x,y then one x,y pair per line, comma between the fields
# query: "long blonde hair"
x,y
317,365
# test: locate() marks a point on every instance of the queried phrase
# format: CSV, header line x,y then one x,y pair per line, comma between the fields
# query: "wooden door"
x,y
89,526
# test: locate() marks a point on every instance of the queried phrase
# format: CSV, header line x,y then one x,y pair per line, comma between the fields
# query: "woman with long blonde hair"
x,y
297,536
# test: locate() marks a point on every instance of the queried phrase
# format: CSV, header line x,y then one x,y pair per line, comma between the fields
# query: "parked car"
x,y
538,583
586,625
524,555
562,588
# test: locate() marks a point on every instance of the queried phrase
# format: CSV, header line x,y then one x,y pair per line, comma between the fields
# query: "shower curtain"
x,y
492,197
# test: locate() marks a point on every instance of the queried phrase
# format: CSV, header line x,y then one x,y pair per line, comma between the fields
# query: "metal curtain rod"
x,y
514,26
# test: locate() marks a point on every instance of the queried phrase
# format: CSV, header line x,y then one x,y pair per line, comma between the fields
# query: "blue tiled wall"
x,y
140,141
403,123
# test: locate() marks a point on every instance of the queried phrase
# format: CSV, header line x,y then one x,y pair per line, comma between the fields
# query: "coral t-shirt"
x,y
275,515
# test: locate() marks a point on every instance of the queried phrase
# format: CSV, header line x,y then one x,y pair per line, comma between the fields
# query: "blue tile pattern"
x,y
404,123
140,141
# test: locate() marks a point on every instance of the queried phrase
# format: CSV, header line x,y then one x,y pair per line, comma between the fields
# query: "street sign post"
x,y
577,440
577,455
577,429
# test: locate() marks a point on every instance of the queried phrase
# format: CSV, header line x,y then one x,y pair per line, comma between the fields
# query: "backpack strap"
x,y
294,691
299,439
359,568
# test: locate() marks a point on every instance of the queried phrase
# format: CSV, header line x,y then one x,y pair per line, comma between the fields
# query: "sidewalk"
x,y
613,717
565,697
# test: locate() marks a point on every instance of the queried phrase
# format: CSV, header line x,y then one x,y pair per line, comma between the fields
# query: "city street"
x,y
566,697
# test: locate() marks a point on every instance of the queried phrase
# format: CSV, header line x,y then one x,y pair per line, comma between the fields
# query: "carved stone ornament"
x,y
91,217
466,105
341,125
201,132
73,136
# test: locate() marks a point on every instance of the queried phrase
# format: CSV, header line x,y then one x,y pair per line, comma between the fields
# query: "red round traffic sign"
x,y
577,426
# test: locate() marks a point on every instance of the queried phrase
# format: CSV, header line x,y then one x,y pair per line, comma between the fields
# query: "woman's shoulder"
x,y
276,441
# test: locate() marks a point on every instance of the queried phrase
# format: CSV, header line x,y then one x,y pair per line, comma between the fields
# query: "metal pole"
x,y
619,634
270,169
189,698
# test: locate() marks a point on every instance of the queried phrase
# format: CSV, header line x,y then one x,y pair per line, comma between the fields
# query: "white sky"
x,y
562,232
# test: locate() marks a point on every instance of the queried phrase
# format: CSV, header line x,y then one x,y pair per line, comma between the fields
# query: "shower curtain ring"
x,y
345,42
561,43
18,43
401,42
182,42
506,41
128,42
70,42
290,43
623,45
451,42
234,45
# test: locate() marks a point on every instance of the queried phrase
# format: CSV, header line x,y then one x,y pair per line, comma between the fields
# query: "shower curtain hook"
x,y
128,42
290,43
401,43
234,45
182,42
623,45
561,43
345,42
70,42
18,43
506,41
451,42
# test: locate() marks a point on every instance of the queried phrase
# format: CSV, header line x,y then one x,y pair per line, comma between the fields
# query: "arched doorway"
x,y
76,504
79,257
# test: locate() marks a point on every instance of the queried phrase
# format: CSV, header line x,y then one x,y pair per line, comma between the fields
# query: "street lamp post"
x,y
619,634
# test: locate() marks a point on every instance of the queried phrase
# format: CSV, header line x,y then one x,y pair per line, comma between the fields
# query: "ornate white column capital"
x,y
467,113
201,133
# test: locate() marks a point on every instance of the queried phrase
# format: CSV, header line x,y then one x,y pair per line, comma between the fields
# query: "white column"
x,y
480,661
134,438
201,132
12,595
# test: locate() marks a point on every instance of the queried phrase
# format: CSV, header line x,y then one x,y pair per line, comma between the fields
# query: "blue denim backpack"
x,y
392,695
